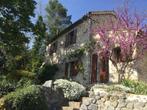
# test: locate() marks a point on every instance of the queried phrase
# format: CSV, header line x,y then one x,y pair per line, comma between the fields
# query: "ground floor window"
x,y
71,69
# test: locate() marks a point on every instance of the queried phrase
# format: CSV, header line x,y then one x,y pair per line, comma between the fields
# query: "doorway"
x,y
94,68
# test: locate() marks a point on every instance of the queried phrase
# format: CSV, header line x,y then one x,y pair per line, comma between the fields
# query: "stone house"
x,y
70,50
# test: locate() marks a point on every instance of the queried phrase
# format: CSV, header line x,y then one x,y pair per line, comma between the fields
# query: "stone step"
x,y
67,108
75,105
86,100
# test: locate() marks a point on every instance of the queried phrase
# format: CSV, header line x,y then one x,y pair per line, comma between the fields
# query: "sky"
x,y
78,8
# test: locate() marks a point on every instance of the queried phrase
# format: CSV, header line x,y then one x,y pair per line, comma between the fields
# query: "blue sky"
x,y
77,8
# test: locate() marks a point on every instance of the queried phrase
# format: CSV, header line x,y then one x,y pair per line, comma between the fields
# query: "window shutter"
x,y
66,70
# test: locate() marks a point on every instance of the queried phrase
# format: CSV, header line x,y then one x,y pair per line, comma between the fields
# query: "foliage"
x,y
15,22
10,83
25,73
122,40
57,18
138,87
2,61
24,82
38,49
76,53
72,90
39,45
121,88
47,72
29,98
6,85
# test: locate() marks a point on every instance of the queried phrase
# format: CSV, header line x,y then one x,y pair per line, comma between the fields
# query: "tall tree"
x,y
57,18
15,22
39,47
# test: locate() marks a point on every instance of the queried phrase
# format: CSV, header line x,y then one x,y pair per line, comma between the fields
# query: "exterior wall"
x,y
84,35
103,21
141,67
58,57
131,73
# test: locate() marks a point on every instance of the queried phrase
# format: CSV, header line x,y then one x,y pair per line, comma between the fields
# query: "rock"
x,y
54,99
48,84
92,107
138,105
126,109
103,100
97,97
130,105
93,101
83,107
87,101
92,95
110,108
114,103
114,98
122,104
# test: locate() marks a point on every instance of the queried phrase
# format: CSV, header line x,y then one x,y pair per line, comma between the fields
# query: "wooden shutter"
x,y
66,69
74,68
94,68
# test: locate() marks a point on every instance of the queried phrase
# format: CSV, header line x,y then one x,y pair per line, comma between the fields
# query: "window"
x,y
71,38
74,68
116,55
71,68
53,48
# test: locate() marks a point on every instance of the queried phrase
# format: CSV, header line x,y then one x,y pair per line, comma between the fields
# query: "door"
x,y
94,68
104,70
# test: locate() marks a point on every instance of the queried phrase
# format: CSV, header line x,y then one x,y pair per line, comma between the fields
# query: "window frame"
x,y
71,38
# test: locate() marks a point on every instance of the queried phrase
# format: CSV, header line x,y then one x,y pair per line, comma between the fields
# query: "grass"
x,y
138,87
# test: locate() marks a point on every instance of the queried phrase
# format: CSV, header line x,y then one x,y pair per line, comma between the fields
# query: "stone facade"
x,y
83,36
62,52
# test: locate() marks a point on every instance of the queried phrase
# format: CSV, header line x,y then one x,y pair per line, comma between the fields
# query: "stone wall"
x,y
103,100
141,66
58,57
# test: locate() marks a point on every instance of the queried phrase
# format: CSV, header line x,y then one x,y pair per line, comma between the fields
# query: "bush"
x,y
6,86
47,72
138,87
71,90
24,82
30,98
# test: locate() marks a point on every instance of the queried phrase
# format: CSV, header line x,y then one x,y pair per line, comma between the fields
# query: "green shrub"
x,y
30,98
24,82
138,87
71,90
6,85
47,72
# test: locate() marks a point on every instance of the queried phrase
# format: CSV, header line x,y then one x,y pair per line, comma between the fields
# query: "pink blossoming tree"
x,y
123,41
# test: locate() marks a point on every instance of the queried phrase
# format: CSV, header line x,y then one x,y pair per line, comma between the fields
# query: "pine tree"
x,y
39,45
57,18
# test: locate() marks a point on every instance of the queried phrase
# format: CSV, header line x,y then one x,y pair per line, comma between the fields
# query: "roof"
x,y
85,17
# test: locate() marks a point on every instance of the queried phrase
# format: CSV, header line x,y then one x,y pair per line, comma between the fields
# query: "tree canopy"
x,y
15,22
57,18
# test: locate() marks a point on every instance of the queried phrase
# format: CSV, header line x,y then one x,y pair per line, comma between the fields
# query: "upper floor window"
x,y
116,54
53,47
71,38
